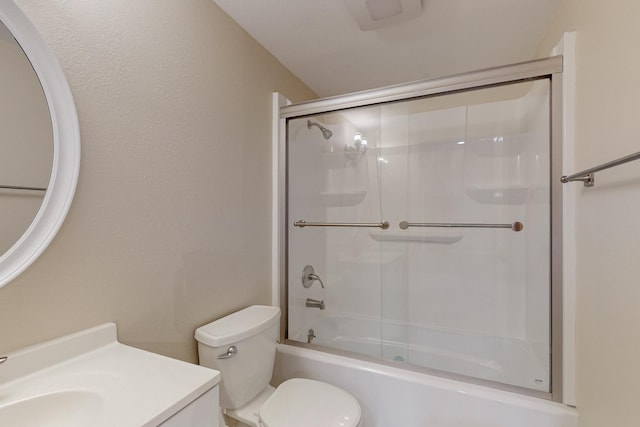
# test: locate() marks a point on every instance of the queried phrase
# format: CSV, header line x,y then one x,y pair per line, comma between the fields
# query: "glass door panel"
x,y
452,284
333,185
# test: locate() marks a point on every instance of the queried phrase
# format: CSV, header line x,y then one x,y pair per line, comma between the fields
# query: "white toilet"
x,y
242,346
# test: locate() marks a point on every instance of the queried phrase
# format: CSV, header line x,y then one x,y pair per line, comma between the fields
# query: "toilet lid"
x,y
301,402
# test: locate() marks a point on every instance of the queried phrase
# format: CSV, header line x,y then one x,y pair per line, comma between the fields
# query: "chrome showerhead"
x,y
325,132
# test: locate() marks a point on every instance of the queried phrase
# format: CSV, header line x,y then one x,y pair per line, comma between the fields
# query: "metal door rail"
x,y
516,226
384,224
17,187
473,80
587,176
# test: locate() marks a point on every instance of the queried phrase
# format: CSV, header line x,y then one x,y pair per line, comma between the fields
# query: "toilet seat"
x,y
300,402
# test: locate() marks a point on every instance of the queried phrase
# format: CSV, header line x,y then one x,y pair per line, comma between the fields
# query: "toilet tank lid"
x,y
238,326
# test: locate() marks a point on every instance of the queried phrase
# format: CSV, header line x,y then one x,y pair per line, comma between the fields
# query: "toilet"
x,y
242,346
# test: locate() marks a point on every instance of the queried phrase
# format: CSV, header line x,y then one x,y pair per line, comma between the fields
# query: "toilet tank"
x,y
254,333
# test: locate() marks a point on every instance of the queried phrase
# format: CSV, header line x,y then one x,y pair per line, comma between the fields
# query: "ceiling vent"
x,y
373,14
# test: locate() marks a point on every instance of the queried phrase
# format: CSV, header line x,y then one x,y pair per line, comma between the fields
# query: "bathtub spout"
x,y
314,303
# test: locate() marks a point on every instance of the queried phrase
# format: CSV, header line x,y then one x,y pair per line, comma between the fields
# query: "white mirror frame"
x,y
66,145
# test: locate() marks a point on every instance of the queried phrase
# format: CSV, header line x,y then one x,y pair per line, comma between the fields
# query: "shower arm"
x,y
326,133
384,224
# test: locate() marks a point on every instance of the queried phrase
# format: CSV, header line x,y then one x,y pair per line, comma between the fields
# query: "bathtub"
x,y
394,397
499,359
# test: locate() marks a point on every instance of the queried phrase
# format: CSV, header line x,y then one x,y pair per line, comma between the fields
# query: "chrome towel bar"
x,y
384,224
587,176
516,226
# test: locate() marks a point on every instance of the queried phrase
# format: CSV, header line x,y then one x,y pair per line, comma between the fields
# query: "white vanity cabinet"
x,y
203,412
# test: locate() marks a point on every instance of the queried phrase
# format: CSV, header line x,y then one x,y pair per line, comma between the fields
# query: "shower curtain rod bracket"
x,y
588,176
589,180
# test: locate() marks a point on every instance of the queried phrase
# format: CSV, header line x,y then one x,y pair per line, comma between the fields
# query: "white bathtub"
x,y
393,397
504,360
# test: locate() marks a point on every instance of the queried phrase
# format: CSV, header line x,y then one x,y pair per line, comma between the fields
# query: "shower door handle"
x,y
516,226
383,224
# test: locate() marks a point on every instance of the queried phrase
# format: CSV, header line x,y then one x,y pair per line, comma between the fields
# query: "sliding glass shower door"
x,y
418,232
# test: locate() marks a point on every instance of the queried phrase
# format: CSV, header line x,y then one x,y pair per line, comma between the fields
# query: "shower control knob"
x,y
309,276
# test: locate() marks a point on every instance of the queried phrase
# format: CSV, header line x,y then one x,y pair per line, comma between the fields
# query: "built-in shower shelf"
x,y
441,237
494,195
342,198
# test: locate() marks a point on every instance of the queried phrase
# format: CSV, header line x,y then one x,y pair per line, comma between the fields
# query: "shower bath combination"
x,y
443,223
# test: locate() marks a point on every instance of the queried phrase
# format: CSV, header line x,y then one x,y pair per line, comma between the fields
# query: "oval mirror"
x,y
39,143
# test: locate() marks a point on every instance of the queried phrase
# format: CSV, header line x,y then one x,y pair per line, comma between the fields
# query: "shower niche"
x,y
429,220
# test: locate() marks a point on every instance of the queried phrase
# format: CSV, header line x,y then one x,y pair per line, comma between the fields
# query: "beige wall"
x,y
170,227
608,236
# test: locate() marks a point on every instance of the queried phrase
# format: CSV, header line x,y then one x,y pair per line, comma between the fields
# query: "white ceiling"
x,y
320,42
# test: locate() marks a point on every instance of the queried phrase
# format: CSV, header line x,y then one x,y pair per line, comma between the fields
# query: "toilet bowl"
x,y
242,346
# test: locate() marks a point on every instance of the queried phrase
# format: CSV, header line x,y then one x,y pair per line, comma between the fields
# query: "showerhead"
x,y
325,132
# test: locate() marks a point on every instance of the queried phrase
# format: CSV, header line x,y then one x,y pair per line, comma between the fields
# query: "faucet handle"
x,y
309,276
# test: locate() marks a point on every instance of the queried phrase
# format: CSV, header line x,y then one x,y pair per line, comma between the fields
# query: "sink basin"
x,y
91,379
64,408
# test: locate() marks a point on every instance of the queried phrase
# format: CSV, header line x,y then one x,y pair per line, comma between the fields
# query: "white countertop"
x,y
94,378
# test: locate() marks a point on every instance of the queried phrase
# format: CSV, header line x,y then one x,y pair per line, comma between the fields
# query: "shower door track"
x,y
548,68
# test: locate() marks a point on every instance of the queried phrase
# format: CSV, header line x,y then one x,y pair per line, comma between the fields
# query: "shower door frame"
x,y
548,68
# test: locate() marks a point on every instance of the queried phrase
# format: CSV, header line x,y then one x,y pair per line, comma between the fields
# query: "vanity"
x,y
90,379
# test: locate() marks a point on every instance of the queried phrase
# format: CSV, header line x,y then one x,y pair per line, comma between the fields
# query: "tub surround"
x,y
89,378
509,361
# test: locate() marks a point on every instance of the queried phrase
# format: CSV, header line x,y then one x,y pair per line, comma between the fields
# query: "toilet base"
x,y
249,413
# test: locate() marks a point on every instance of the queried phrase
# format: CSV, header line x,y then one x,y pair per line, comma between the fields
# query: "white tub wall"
x,y
305,157
440,294
394,397
443,292
460,285
353,272
340,256
392,162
